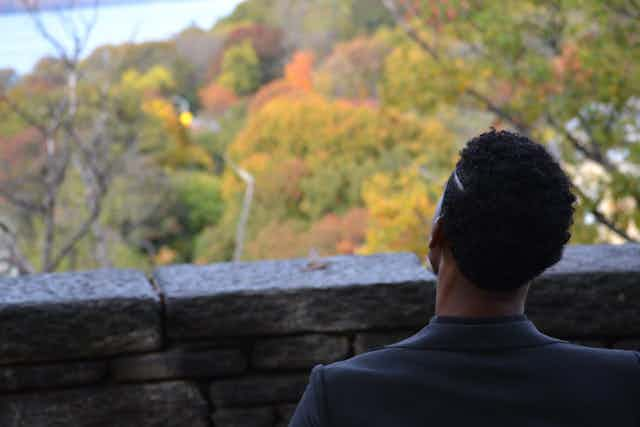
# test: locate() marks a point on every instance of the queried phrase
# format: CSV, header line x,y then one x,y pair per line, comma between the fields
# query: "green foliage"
x,y
216,143
349,143
199,202
566,72
240,69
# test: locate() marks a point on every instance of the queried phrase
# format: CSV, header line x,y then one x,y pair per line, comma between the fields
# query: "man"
x,y
503,219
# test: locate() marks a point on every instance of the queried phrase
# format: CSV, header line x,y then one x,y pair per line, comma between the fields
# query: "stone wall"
x,y
231,344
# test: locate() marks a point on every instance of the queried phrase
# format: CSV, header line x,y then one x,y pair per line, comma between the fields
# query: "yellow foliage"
x,y
179,151
311,156
160,108
157,79
401,206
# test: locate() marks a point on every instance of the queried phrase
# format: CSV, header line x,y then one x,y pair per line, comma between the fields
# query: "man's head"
x,y
505,214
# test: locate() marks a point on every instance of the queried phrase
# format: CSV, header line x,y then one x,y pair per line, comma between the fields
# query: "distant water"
x,y
22,45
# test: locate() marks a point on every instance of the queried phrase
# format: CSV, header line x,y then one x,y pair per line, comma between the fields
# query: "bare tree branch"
x,y
408,29
19,202
82,231
63,143
575,142
601,218
33,9
14,256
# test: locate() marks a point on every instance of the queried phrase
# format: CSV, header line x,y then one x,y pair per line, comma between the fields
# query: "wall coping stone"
x,y
287,296
61,316
187,280
102,313
599,259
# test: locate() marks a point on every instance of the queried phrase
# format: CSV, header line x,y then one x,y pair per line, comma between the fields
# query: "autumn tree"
x,y
297,81
83,142
217,99
240,70
401,206
354,68
564,72
310,158
298,70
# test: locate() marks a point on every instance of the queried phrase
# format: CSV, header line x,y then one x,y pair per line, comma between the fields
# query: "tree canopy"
x,y
321,126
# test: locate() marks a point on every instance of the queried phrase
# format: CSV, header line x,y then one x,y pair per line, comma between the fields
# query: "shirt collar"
x,y
455,333
478,320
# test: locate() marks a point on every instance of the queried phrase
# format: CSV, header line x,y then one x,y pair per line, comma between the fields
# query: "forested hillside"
x,y
311,127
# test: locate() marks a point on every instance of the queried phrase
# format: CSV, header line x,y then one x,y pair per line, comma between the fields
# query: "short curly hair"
x,y
507,210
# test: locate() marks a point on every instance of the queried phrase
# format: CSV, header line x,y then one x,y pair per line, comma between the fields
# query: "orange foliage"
x,y
297,81
298,70
332,234
568,67
340,234
217,99
278,240
270,91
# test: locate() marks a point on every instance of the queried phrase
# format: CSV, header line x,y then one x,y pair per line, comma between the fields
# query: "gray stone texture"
x,y
77,315
258,390
244,417
280,297
177,364
173,404
367,341
299,352
285,315
25,377
284,414
592,291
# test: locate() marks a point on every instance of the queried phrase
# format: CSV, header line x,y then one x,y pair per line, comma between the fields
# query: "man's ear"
x,y
436,237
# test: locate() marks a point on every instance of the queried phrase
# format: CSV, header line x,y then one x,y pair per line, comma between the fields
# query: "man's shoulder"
x,y
372,362
568,350
391,359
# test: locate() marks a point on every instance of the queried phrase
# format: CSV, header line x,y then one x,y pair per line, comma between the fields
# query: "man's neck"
x,y
482,310
457,296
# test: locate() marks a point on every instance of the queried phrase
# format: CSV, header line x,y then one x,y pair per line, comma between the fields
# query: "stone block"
x,y
176,364
299,352
244,417
258,390
58,316
284,413
24,377
174,404
590,292
367,341
340,293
